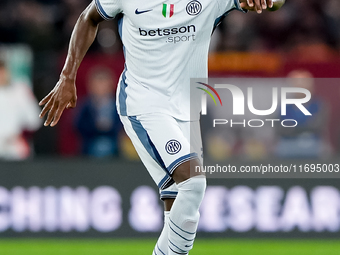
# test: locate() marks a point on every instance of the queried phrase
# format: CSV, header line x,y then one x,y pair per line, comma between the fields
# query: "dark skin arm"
x,y
63,95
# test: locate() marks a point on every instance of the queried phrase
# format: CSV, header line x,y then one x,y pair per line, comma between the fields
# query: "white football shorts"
x,y
163,143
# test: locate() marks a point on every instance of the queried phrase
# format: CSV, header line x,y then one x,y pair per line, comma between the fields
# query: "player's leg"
x,y
185,209
168,204
149,158
181,214
184,214
161,246
162,139
168,196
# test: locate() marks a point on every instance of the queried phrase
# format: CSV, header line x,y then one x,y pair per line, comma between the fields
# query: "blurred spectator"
x,y
307,138
19,112
98,122
299,22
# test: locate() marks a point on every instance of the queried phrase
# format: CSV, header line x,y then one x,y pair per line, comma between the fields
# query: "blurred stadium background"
x,y
75,190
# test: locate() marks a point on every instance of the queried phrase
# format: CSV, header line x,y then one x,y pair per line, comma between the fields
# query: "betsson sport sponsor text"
x,y
178,34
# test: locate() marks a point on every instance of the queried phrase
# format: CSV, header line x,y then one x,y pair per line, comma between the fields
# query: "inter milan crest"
x,y
194,8
173,147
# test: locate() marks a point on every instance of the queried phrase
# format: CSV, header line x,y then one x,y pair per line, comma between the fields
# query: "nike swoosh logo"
x,y
140,12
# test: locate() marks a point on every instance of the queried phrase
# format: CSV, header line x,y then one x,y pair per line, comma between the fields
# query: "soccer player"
x,y
165,44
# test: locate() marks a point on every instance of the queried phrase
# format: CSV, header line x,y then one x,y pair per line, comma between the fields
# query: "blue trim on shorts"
x,y
166,182
168,194
146,141
143,136
181,160
101,10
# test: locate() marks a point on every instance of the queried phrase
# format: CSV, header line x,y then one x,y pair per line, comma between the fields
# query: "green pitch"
x,y
144,247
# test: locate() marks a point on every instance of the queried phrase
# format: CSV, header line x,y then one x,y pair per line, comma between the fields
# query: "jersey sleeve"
x,y
225,6
108,9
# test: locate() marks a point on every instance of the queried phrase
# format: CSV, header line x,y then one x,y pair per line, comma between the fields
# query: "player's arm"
x,y
256,5
64,94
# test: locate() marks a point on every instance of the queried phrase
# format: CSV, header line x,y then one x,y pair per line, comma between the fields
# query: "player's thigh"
x,y
171,141
164,145
148,155
177,142
191,130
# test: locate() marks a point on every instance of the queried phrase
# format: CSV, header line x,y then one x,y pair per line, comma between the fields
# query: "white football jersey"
x,y
165,44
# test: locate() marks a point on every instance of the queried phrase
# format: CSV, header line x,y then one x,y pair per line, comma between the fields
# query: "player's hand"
x,y
63,96
256,5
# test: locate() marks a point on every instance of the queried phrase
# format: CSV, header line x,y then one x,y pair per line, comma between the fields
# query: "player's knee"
x,y
194,189
199,185
185,222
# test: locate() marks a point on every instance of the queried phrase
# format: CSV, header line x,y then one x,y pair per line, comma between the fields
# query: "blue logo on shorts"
x,y
172,147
